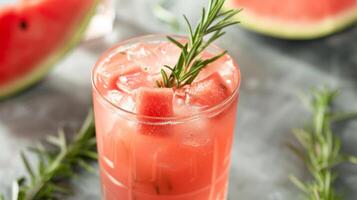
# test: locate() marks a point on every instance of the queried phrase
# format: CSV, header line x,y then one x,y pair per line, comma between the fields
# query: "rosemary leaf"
x,y
55,168
189,64
321,148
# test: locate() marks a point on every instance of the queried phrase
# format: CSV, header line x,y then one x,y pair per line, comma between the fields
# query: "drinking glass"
x,y
180,158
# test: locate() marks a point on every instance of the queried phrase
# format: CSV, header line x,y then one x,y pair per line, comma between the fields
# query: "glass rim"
x,y
216,109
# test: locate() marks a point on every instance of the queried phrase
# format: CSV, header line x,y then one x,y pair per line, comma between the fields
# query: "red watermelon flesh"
x,y
296,18
154,102
34,34
209,91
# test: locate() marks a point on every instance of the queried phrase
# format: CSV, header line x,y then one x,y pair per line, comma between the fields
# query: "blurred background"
x,y
274,71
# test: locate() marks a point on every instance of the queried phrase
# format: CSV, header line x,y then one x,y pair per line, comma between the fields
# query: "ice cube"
x,y
128,103
144,55
116,65
169,53
121,100
153,56
182,105
132,80
115,97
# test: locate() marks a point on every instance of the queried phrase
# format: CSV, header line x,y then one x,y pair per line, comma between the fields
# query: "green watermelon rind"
x,y
44,68
284,30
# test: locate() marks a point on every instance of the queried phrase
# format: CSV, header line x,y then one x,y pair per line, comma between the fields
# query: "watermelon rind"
x,y
43,69
296,31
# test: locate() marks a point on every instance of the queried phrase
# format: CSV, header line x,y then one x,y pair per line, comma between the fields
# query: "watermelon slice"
x,y
34,35
209,91
296,19
154,102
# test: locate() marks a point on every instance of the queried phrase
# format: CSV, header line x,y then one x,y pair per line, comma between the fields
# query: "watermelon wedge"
x,y
34,35
296,19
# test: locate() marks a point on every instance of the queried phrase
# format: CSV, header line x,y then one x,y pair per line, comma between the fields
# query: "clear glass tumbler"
x,y
184,157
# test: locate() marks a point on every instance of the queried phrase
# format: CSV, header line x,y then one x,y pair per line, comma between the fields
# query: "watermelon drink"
x,y
163,143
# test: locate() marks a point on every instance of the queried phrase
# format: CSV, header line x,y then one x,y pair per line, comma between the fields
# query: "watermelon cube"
x,y
209,91
154,102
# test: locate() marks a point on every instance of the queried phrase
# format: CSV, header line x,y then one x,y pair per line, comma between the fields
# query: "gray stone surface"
x,y
274,71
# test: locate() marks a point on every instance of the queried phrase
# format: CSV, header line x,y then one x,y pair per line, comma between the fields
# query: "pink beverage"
x,y
163,143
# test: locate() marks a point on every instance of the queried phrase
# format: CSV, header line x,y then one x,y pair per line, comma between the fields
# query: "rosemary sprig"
x,y
54,168
321,151
189,64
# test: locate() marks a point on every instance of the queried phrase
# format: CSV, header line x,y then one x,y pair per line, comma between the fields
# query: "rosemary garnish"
x,y
321,151
189,64
50,178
